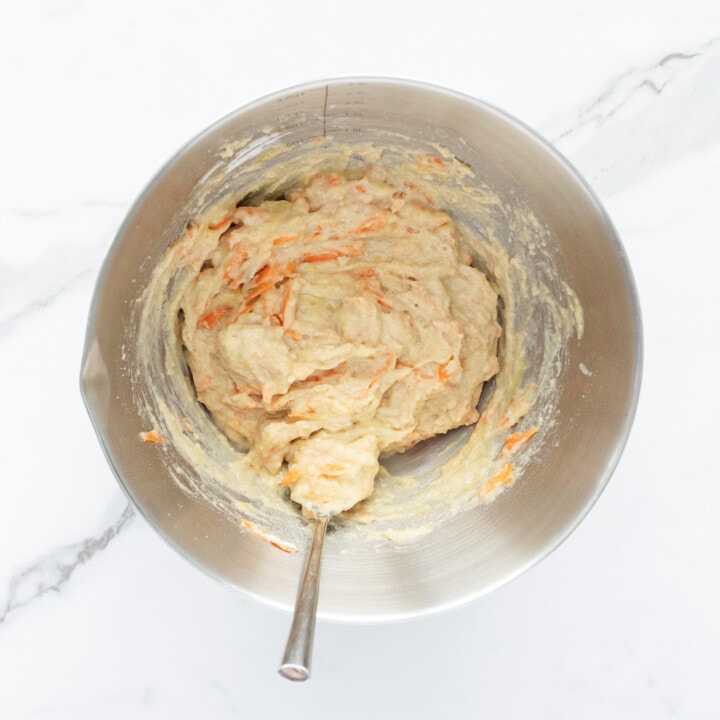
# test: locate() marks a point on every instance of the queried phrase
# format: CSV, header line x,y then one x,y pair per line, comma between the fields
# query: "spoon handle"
x,y
298,651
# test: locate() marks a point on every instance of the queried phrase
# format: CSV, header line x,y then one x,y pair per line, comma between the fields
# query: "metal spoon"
x,y
298,651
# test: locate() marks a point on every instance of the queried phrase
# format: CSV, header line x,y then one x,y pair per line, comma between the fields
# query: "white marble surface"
x,y
100,619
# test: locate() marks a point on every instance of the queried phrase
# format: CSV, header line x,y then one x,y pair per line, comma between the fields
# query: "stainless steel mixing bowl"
x,y
476,551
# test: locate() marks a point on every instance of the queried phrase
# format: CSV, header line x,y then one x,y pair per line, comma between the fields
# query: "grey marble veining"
x,y
55,569
54,250
645,118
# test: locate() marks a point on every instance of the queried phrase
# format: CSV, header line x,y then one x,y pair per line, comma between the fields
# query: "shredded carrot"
x,y
332,470
265,272
304,413
504,477
246,388
517,440
225,221
291,477
429,160
320,257
294,334
234,264
258,290
202,385
372,289
376,222
442,373
347,251
263,534
324,375
211,318
242,310
390,362
152,436
285,239
284,306
196,262
380,297
265,278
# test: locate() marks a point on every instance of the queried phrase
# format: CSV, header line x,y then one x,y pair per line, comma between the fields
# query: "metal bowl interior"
x,y
474,552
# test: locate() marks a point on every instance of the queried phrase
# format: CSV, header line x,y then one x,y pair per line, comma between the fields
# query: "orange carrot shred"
x,y
225,221
347,251
235,263
263,534
324,375
332,471
152,436
376,222
258,290
432,160
516,441
504,477
211,318
294,334
285,239
246,388
320,257
443,374
291,477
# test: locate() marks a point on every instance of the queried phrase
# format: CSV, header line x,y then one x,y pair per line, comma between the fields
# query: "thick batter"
x,y
351,294
338,323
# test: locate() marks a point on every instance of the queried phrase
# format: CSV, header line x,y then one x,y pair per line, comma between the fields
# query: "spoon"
x,y
298,651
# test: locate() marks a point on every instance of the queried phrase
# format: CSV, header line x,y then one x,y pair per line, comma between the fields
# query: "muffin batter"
x,y
338,323
359,264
